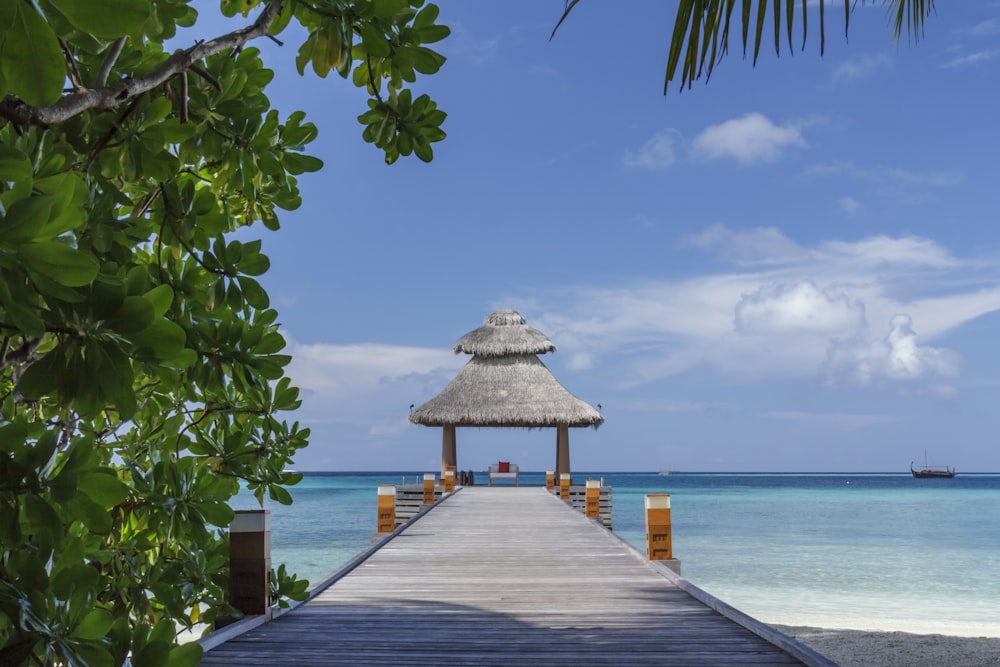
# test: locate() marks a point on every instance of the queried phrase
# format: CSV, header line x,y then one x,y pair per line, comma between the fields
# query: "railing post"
x,y
550,480
448,480
428,488
564,481
593,499
386,509
250,562
658,535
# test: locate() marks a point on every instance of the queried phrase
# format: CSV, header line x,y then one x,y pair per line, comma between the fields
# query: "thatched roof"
x,y
504,332
505,384
516,390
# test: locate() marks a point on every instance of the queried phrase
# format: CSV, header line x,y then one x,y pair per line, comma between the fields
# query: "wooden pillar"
x,y
592,508
250,562
448,454
550,480
386,509
448,479
658,543
565,483
428,488
562,449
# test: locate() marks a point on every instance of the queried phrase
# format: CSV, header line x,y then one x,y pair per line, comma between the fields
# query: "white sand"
x,y
863,648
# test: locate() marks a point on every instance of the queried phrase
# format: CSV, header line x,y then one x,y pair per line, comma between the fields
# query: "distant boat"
x,y
667,472
932,472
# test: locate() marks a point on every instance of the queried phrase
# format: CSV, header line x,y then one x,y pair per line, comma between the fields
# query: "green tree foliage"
x,y
700,36
141,366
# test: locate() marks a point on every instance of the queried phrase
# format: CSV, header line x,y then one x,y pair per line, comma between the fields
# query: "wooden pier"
x,y
507,576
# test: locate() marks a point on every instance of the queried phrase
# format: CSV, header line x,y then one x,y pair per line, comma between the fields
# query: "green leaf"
x,y
42,377
161,340
30,58
94,625
280,495
253,293
14,165
190,654
115,18
103,487
25,219
161,296
93,516
297,163
66,266
136,313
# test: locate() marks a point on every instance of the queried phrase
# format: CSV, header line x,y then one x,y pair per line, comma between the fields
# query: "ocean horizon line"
x,y
410,471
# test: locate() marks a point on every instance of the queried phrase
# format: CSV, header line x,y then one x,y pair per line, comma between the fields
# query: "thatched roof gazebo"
x,y
506,385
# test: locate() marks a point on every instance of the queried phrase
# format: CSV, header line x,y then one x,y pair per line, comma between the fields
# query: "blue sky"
x,y
793,268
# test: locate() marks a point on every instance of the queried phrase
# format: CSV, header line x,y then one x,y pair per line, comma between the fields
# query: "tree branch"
x,y
109,62
106,97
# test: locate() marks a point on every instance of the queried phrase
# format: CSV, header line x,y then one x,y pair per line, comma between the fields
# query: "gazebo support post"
x,y
562,449
448,451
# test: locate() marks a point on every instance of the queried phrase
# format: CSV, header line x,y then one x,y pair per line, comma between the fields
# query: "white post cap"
x,y
593,483
386,489
428,477
657,501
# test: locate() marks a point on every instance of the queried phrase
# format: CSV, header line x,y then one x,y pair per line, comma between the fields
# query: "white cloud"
x,y
858,68
826,311
368,383
761,245
986,28
893,178
657,153
849,204
752,138
900,252
835,421
972,59
798,307
897,356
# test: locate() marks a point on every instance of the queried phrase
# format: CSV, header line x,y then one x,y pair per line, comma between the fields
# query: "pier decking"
x,y
505,576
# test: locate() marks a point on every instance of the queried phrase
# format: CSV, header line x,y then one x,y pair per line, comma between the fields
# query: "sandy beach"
x,y
862,648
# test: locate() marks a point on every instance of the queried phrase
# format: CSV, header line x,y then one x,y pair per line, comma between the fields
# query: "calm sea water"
x,y
855,551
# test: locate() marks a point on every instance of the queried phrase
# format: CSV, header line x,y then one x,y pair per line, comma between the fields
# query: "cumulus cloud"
x,y
798,307
897,356
752,138
827,311
657,153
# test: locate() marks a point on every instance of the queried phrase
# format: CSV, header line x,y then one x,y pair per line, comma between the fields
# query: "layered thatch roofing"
x,y
504,332
505,384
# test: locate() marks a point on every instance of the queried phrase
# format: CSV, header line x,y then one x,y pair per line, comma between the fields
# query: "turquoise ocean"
x,y
855,551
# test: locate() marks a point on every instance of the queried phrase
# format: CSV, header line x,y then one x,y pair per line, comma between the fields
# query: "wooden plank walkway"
x,y
504,576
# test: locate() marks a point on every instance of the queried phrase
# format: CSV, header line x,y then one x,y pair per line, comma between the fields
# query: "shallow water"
x,y
847,551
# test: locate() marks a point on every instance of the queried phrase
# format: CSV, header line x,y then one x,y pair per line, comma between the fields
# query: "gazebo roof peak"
x,y
504,333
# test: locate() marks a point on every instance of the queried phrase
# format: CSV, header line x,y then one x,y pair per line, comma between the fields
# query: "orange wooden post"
x,y
386,508
593,506
550,480
564,482
448,480
250,562
428,488
658,546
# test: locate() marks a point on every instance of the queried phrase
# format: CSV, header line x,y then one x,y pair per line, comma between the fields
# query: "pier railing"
x,y
411,499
